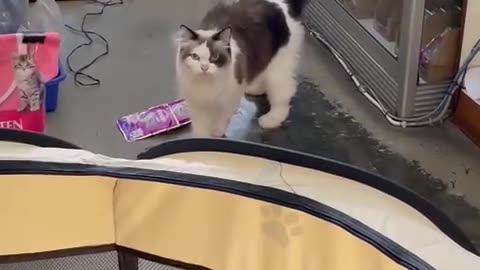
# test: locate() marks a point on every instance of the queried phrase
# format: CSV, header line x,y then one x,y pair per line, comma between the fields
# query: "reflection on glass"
x,y
440,41
382,18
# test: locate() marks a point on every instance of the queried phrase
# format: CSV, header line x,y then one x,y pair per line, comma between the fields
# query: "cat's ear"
x,y
16,58
223,35
187,34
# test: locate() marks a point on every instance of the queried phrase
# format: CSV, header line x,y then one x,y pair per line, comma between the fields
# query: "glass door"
x,y
441,41
381,18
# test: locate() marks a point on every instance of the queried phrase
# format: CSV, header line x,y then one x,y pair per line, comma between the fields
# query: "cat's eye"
x,y
195,56
214,57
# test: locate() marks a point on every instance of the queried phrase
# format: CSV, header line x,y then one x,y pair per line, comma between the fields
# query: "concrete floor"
x,y
329,117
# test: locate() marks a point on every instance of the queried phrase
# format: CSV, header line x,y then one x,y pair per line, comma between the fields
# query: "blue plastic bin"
x,y
52,87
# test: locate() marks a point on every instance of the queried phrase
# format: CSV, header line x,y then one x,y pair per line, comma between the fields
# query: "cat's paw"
x,y
219,132
270,120
22,107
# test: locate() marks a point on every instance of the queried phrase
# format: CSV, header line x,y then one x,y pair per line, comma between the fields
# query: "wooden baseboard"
x,y
467,117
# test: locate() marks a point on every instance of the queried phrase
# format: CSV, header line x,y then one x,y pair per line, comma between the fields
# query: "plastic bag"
x,y
43,16
12,15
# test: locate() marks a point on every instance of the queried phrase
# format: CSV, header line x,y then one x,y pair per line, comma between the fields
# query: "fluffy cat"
x,y
28,82
241,46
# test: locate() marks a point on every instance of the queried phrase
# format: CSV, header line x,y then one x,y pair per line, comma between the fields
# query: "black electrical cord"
x,y
80,72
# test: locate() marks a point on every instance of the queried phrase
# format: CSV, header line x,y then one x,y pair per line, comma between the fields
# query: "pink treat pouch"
x,y
153,121
27,61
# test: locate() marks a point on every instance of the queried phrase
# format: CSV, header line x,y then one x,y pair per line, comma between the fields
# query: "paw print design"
x,y
280,225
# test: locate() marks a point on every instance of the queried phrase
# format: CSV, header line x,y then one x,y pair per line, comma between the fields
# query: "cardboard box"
x,y
388,18
361,9
436,20
439,58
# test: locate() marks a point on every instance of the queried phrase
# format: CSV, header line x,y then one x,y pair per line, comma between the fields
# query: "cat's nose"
x,y
204,68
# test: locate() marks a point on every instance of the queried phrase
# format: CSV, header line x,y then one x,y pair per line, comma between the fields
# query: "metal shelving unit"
x,y
387,68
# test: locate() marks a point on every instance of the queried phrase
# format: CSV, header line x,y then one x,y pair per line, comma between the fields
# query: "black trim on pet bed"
x,y
55,254
128,259
36,139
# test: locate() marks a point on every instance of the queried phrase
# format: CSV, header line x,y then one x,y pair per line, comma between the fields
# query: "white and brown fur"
x,y
258,43
28,82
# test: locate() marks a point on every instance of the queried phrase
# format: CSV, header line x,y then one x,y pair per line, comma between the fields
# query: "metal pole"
x,y
409,53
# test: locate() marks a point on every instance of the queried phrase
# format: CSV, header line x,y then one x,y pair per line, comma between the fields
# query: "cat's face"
x,y
23,65
205,53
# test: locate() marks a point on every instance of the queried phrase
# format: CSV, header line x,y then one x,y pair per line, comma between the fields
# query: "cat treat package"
x,y
27,61
153,121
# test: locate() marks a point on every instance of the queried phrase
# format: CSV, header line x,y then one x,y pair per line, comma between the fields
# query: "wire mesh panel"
x,y
99,261
149,265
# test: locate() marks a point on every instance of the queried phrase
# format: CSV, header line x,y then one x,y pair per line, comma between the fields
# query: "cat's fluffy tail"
x,y
296,7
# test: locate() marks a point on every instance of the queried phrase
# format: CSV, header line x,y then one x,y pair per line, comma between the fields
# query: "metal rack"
x,y
394,80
